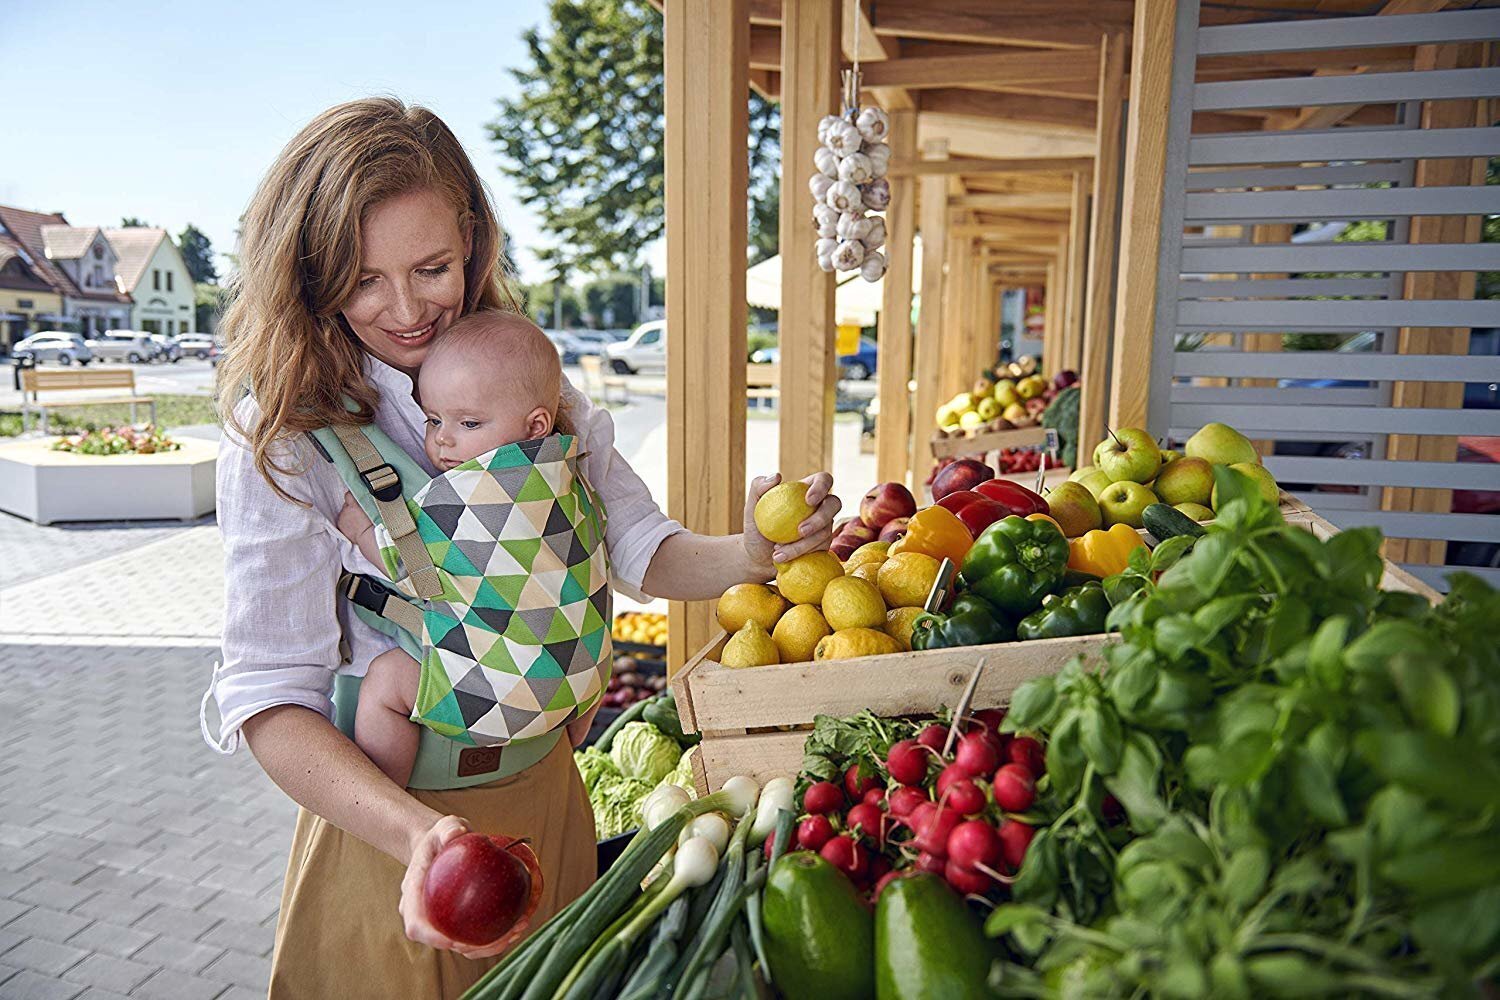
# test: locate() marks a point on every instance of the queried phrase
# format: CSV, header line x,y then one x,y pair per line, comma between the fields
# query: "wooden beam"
x,y
1077,274
1062,112
976,165
766,83
893,424
704,49
933,223
1016,22
765,48
810,60
1103,246
1045,201
862,44
1145,165
961,71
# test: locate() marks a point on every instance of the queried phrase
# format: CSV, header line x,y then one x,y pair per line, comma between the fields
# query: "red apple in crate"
x,y
894,528
1036,406
965,474
884,503
478,887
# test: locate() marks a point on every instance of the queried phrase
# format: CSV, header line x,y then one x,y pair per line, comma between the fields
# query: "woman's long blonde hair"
x,y
287,343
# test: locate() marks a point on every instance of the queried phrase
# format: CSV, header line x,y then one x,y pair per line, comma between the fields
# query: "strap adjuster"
x,y
383,482
367,593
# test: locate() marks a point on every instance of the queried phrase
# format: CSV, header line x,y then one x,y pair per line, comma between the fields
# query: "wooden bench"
x,y
597,382
763,382
35,381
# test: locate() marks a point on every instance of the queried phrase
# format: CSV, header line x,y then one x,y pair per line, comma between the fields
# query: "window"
x,y
650,338
156,279
169,281
24,303
98,252
98,274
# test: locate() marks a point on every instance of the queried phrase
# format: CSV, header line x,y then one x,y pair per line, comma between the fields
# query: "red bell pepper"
x,y
957,500
1015,498
975,511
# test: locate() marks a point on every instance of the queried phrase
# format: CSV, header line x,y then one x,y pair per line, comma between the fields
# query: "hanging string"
x,y
851,76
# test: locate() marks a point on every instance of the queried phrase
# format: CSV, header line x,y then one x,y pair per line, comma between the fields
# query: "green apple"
x,y
988,409
1095,482
1187,480
970,419
1264,482
1082,471
1016,413
1074,508
1122,502
1168,456
1220,444
1005,393
1196,511
1128,454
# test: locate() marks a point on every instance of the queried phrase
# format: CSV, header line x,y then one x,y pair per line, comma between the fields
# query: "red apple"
x,y
1036,406
894,528
478,887
965,474
885,502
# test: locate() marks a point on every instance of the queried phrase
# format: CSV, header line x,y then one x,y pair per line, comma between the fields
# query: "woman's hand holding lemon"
x,y
787,520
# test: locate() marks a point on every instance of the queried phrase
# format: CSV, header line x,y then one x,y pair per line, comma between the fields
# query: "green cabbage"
x,y
682,776
617,805
594,764
644,752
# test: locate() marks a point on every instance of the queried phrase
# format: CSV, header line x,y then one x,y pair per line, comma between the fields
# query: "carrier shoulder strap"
x,y
384,485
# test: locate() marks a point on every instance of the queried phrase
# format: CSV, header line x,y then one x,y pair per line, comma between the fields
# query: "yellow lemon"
x,y
854,642
779,512
802,580
898,622
868,552
798,633
869,572
748,602
907,578
850,602
751,646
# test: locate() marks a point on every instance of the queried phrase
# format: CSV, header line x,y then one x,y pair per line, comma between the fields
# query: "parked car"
x,y
569,347
167,347
857,366
595,341
133,346
196,345
644,351
54,345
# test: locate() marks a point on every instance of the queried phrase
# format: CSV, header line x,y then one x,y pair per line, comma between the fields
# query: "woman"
x,y
368,237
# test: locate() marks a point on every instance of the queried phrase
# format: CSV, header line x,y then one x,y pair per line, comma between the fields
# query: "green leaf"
x,y
1212,559
1139,560
1131,682
1165,555
1287,974
1121,588
1176,634
1008,916
1354,557
1238,762
1065,758
1432,765
1456,864
1244,876
1369,652
1302,876
1032,706
1221,612
1428,692
1099,729
1316,787
1325,656
1136,781
1464,928
1173,842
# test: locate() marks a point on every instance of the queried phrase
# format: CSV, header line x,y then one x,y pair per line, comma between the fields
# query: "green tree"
x,y
612,302
582,142
198,252
207,304
132,222
539,299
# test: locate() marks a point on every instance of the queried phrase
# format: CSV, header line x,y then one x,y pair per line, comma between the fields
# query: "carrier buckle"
x,y
383,482
367,593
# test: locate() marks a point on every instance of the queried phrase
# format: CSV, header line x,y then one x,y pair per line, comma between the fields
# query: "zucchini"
x,y
1166,522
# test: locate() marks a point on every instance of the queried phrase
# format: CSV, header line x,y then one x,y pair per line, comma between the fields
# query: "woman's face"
x,y
411,278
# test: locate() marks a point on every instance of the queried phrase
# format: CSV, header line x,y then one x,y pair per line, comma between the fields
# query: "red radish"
x,y
1025,750
1114,812
814,832
965,880
886,880
907,762
904,799
880,867
947,777
866,820
771,843
478,887
1015,837
934,863
822,798
965,798
875,797
990,718
857,786
976,755
934,737
933,829
973,843
1014,788
847,856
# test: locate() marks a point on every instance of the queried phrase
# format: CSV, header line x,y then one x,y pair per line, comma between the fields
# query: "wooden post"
x,y
893,425
1077,272
978,283
933,223
1103,235
1052,302
705,49
951,342
810,45
1145,166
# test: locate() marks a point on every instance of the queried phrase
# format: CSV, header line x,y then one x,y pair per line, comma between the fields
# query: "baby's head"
x,y
492,379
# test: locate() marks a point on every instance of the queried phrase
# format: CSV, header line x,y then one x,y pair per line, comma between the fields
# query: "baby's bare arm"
x,y
356,526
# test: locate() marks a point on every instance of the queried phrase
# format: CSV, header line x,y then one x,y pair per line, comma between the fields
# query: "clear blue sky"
x,y
171,111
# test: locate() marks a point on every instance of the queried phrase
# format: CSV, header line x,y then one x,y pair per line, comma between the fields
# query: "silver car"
x,y
133,346
54,345
196,345
167,347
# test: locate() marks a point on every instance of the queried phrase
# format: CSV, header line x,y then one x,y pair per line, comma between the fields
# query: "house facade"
x,y
27,302
151,270
76,262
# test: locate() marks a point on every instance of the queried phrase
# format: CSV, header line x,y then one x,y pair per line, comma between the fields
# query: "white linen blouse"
x,y
282,619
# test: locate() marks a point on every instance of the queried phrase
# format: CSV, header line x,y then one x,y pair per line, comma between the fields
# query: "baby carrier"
x,y
501,581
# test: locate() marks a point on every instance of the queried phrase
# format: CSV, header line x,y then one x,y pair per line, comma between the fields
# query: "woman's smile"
x,y
416,336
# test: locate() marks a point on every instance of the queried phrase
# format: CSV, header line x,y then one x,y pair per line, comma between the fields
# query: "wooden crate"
x,y
984,442
1394,578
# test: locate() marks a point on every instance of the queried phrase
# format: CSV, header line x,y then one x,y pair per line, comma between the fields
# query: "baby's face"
x,y
470,414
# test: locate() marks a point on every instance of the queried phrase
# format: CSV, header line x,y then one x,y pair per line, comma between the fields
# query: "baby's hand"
x,y
352,521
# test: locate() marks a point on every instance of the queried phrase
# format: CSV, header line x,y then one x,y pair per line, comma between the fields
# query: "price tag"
x,y
1053,443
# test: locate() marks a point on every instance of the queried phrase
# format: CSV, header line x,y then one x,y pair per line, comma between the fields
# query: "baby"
x,y
491,380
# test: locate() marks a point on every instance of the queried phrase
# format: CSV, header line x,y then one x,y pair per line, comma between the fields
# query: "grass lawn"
x,y
171,411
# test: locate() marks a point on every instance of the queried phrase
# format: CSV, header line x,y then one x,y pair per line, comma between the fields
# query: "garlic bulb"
x,y
873,266
873,124
874,236
843,138
825,123
848,255
879,155
856,168
825,214
853,226
825,262
825,247
820,185
828,231
876,195
841,195
826,162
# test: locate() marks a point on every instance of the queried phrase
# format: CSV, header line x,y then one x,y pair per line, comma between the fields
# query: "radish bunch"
x,y
852,163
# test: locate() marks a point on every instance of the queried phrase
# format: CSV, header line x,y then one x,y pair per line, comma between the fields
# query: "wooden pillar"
x,y
1436,285
1077,274
951,337
933,223
706,48
1140,242
810,53
1052,302
893,425
1103,246
978,284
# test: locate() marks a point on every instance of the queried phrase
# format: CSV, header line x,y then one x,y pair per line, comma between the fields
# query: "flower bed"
x,y
122,440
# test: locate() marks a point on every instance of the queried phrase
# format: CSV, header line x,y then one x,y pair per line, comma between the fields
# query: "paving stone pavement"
x,y
31,551
133,860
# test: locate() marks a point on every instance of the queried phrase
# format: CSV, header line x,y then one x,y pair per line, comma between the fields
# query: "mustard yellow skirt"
x,y
340,934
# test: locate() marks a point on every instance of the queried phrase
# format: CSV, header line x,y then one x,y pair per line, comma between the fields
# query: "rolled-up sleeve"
x,y
636,525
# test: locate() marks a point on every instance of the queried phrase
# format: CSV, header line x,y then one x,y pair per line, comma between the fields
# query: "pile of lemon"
x,y
821,608
648,628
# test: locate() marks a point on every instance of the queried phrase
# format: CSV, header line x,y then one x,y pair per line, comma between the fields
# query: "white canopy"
x,y
855,302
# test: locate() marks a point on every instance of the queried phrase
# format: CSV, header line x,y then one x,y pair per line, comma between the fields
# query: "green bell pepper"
x,y
1079,611
971,622
1015,562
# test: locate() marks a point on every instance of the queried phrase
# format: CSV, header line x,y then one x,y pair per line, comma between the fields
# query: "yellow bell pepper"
x,y
1045,517
938,533
1104,552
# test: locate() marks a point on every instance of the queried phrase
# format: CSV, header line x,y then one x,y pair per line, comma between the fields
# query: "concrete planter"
x,y
44,486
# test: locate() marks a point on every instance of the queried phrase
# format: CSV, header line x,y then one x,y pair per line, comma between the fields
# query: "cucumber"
x,y
1164,522
928,944
819,935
